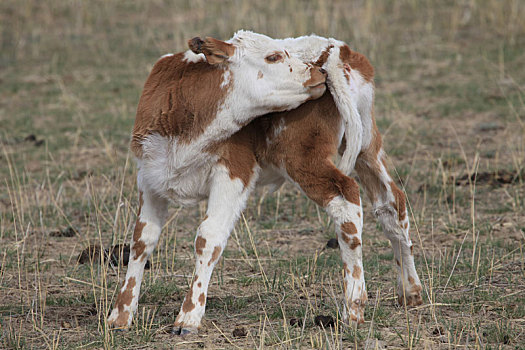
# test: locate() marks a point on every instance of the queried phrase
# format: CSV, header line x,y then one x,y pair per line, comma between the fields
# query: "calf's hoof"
x,y
410,300
179,330
356,315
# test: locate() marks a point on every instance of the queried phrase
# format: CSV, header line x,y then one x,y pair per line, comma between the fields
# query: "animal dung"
x,y
332,243
239,332
324,321
66,232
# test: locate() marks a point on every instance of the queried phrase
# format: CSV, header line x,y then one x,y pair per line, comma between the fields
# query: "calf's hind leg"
x,y
339,195
389,205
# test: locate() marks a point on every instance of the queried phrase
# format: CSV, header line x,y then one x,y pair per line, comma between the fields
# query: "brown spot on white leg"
x,y
202,299
124,299
215,255
188,305
357,272
349,228
200,243
355,243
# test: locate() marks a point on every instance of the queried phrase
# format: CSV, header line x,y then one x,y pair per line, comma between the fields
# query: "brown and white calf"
x,y
191,103
299,145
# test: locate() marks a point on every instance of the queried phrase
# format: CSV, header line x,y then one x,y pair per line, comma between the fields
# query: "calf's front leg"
x,y
226,202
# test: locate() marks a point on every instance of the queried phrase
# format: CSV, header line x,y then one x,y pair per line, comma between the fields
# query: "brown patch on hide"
x,y
215,255
138,246
355,243
349,228
124,299
188,305
199,284
304,147
357,61
202,299
356,273
200,243
260,75
316,78
323,57
179,99
137,232
237,155
411,250
350,191
141,203
400,201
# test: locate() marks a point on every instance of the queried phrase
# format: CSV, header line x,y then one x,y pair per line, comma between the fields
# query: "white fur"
x,y
191,57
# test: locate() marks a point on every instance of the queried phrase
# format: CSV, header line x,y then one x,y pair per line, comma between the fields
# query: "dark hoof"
x,y
183,331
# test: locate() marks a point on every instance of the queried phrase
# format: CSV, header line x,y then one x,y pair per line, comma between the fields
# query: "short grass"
x,y
450,102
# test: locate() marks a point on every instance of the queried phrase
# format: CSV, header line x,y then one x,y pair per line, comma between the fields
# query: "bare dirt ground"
x,y
450,103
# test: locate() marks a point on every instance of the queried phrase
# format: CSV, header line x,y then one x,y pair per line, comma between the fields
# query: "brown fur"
x,y
179,99
138,248
138,245
200,243
323,57
348,228
215,255
216,51
305,147
202,299
357,272
188,305
357,61
316,78
237,154
400,201
355,243
124,299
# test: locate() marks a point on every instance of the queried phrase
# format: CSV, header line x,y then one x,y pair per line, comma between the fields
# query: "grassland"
x,y
450,103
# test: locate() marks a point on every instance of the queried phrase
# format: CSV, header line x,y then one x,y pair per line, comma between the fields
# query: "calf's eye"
x,y
274,58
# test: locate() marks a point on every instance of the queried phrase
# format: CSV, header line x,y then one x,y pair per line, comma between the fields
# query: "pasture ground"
x,y
450,102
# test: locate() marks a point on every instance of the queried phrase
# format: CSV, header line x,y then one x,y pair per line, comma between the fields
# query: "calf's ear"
x,y
216,51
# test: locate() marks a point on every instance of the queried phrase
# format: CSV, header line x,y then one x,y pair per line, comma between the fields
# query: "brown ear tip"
x,y
195,44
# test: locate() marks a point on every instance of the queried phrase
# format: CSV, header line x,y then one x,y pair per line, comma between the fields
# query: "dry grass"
x,y
450,103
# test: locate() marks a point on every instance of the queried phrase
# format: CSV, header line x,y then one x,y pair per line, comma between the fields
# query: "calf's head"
x,y
264,75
